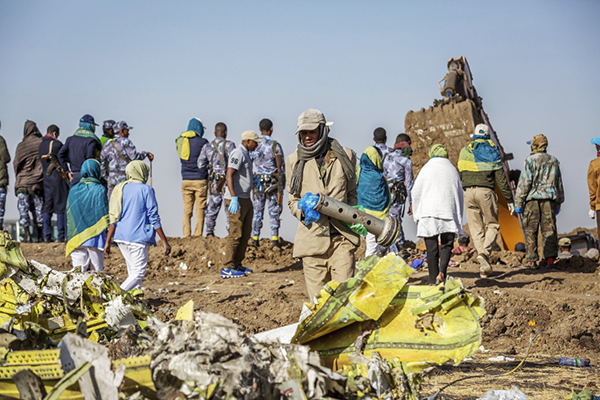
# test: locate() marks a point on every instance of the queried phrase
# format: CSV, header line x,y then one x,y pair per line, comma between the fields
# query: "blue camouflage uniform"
x,y
115,155
397,169
264,166
383,148
214,158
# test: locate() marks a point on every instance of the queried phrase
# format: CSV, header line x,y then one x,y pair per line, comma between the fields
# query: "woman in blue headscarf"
x,y
87,219
373,190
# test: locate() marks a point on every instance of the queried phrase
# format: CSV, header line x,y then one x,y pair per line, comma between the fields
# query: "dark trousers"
x,y
240,230
436,259
61,224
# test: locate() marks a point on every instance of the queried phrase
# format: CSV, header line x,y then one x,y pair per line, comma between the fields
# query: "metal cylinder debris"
x,y
385,230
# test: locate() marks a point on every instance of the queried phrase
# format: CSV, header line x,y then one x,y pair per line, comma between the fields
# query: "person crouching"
x,y
134,220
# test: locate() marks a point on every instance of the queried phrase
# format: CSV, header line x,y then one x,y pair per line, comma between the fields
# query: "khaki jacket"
x,y
315,239
593,179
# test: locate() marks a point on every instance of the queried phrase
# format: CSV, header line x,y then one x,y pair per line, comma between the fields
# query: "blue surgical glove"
x,y
256,182
519,210
556,212
307,204
234,206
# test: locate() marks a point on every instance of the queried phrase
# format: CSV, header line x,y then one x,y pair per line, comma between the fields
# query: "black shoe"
x,y
255,243
210,235
62,240
276,245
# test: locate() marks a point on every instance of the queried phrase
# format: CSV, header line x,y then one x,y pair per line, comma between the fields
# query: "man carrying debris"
x,y
29,184
538,197
83,145
237,199
4,159
193,179
214,159
593,179
380,139
320,165
269,180
117,153
56,185
398,170
480,169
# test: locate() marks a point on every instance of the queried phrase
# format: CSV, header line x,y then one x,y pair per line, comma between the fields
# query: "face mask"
x,y
407,151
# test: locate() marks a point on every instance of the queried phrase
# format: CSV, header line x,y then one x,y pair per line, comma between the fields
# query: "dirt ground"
x,y
561,305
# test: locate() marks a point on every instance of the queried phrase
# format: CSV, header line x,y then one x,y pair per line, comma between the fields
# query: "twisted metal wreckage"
x,y
377,333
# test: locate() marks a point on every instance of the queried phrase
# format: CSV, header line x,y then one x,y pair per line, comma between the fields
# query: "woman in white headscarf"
x,y
438,210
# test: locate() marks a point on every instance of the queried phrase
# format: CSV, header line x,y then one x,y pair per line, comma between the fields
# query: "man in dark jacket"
x,y
29,184
84,144
4,159
194,179
56,187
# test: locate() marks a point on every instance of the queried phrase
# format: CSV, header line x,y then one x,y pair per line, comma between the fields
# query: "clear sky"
x,y
156,64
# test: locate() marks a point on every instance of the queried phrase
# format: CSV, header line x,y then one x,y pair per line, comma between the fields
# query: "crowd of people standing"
x,y
97,187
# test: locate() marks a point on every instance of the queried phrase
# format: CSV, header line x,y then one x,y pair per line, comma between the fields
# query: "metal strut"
x,y
385,230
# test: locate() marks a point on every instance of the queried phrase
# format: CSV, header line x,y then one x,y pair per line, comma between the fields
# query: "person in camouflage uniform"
x,y
397,169
380,139
269,181
539,196
214,158
117,153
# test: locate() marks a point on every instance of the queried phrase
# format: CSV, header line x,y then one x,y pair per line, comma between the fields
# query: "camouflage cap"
x,y
311,119
539,142
564,242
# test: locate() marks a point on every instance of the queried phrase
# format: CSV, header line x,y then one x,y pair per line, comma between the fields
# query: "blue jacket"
x,y
189,167
76,150
139,215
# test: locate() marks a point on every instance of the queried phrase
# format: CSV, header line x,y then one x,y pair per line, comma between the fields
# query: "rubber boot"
x,y
39,238
26,235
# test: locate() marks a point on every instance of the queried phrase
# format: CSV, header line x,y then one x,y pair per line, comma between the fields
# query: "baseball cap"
x,y
88,119
119,126
564,242
251,135
311,119
596,140
482,129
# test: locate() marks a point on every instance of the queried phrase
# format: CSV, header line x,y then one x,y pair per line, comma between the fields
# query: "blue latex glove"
x,y
234,206
519,210
256,182
307,204
556,212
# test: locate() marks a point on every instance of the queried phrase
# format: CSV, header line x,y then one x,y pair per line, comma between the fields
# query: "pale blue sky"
x,y
156,64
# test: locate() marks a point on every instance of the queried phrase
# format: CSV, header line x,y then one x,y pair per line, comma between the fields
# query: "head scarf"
x,y
182,143
438,150
87,207
136,171
323,145
86,130
373,190
539,144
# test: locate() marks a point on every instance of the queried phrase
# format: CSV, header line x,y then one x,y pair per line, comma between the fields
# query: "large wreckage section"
x,y
451,121
73,335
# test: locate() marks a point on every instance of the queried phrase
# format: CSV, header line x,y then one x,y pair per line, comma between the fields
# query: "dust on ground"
x,y
562,305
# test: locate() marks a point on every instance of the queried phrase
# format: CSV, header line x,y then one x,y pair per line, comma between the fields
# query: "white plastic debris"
x,y
118,315
512,394
501,359
183,266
